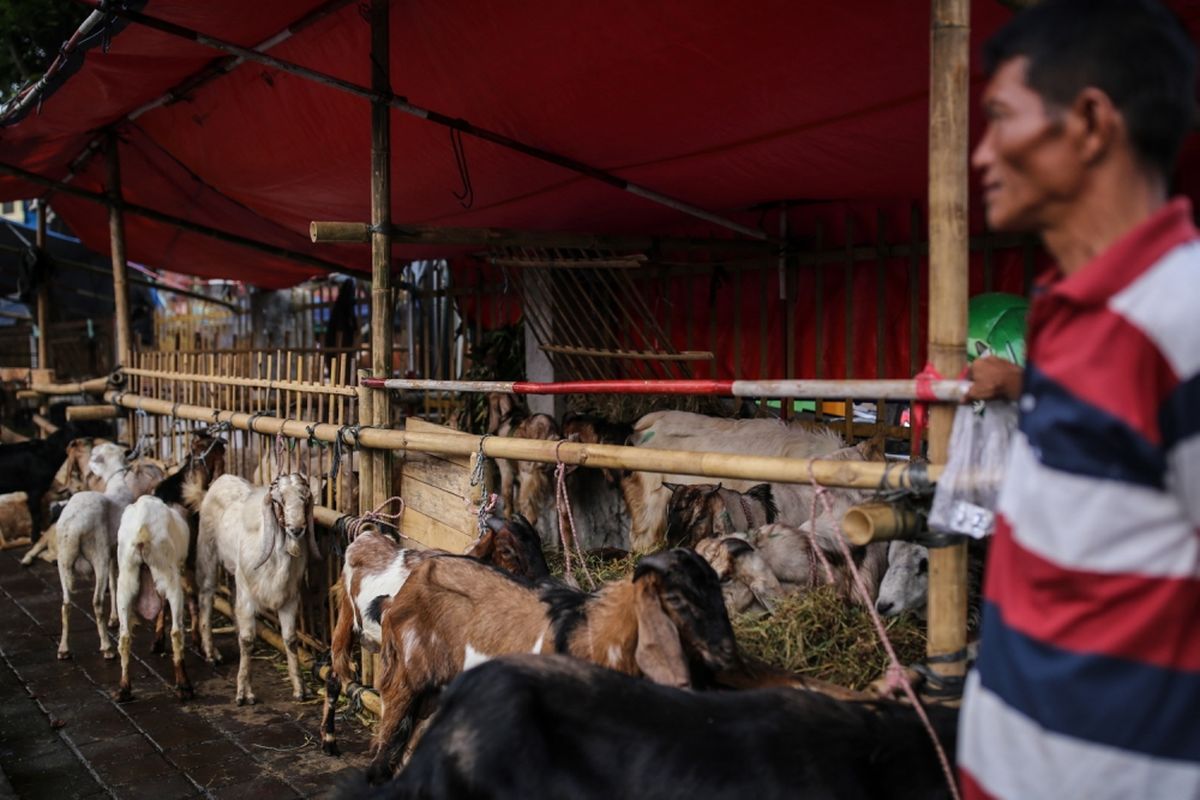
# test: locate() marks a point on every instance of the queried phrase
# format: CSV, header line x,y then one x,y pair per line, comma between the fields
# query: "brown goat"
x,y
376,567
702,510
667,622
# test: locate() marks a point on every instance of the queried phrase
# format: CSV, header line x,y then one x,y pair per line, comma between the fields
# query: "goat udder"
x,y
149,603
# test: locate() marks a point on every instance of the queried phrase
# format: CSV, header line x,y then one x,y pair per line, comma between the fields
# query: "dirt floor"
x,y
62,735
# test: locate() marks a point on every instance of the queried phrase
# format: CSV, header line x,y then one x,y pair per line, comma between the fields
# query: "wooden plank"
x,y
437,471
432,533
444,506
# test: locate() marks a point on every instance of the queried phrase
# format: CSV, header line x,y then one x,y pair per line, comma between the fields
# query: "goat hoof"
x,y
159,647
123,695
64,655
213,660
109,655
248,700
184,693
301,697
330,749
114,622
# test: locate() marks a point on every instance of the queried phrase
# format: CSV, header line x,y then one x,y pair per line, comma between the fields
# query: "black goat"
x,y
30,467
549,726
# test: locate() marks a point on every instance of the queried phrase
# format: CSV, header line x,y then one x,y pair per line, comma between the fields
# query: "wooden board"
x,y
435,489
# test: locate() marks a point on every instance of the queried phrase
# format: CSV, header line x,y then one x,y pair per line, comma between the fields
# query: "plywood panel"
x,y
432,533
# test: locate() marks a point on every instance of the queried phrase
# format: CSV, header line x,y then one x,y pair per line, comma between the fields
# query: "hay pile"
x,y
820,635
604,567
816,634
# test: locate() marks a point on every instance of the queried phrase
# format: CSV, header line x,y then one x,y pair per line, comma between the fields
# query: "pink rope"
x,y
895,673
356,524
818,494
563,503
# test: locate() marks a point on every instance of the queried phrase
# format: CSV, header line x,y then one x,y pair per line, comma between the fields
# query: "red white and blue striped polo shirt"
x,y
1088,680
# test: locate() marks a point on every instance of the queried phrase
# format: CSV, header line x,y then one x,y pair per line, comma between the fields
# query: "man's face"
x,y
1029,170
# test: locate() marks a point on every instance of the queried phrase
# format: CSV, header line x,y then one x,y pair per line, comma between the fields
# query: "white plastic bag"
x,y
966,495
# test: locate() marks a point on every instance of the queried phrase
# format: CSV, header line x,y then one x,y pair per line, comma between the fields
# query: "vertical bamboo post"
x,y
43,292
116,235
381,240
948,253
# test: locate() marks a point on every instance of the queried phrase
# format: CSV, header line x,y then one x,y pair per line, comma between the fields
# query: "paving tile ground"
x,y
63,736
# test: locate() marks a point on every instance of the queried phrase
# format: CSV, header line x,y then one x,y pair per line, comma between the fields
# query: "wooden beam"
x,y
360,233
166,219
116,240
948,274
43,292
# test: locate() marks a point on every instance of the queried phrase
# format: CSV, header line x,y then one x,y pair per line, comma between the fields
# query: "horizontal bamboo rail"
x,y
637,355
256,383
850,474
879,522
93,386
908,389
28,394
85,413
370,698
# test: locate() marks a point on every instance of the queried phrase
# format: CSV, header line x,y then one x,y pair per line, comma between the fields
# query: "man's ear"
x,y
1095,124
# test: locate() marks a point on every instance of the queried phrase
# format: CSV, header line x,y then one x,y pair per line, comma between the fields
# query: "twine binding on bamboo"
x,y
354,525
567,518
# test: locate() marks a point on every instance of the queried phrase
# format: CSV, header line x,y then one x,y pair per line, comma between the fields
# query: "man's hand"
x,y
994,378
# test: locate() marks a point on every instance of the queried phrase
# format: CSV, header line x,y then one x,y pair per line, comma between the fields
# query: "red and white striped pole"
x,y
930,391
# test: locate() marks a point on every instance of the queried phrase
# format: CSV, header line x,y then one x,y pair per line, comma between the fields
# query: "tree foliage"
x,y
31,32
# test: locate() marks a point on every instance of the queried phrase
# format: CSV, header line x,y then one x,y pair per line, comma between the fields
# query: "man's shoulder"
x,y
1164,304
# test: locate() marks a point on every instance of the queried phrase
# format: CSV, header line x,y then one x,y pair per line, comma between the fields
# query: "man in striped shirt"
x,y
1088,680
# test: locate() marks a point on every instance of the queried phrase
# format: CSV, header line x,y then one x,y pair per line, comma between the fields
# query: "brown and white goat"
x,y
667,621
702,510
73,476
264,537
375,568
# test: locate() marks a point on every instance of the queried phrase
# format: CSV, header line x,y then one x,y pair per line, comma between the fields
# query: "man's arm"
x,y
994,378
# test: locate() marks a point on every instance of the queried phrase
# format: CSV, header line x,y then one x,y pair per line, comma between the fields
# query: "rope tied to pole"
x,y
355,525
895,675
477,472
566,520
339,446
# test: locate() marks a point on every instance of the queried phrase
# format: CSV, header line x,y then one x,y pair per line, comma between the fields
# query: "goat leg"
x,y
183,686
246,628
113,618
68,581
211,654
42,544
287,627
103,569
160,630
392,735
333,690
127,591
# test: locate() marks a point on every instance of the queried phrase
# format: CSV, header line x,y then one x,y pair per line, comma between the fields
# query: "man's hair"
x,y
1135,51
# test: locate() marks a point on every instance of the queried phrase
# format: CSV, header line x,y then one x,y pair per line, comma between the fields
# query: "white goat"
x,y
88,529
152,548
263,536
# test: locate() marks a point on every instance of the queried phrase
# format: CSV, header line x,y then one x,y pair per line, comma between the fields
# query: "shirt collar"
x,y
1127,258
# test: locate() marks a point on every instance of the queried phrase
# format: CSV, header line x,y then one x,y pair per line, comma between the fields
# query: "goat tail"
x,y
194,491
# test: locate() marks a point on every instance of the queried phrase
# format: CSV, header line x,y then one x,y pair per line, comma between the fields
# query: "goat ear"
x,y
659,653
482,549
672,487
270,532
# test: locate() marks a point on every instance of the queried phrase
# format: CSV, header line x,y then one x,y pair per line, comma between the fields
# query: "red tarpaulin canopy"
x,y
724,106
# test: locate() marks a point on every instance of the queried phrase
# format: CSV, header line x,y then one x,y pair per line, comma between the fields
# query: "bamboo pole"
x,y
849,474
92,386
116,236
82,413
370,699
43,293
329,232
44,425
879,522
381,241
218,380
948,100
179,222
